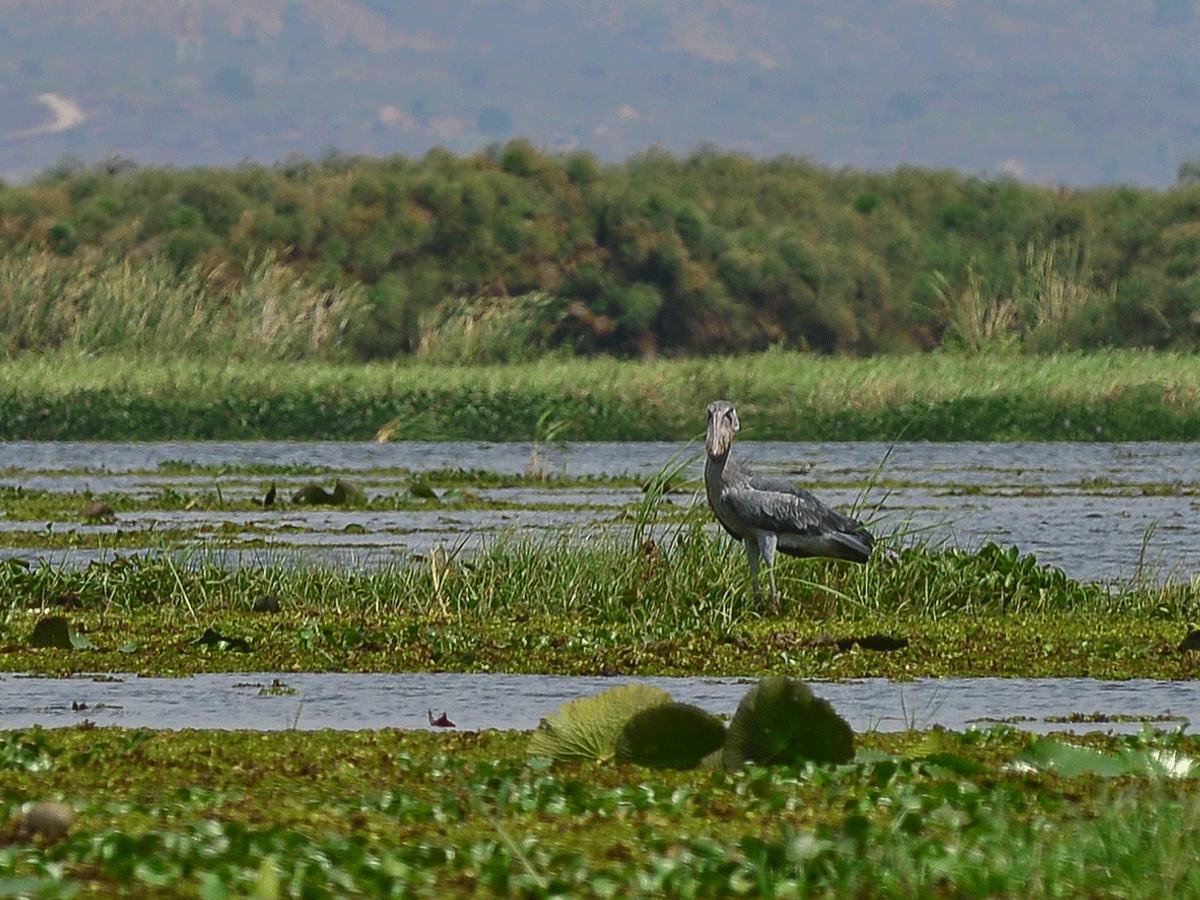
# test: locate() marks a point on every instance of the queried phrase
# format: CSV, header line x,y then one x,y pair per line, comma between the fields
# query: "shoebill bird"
x,y
770,514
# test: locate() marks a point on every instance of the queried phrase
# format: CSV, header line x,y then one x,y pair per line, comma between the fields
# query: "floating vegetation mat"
x,y
994,813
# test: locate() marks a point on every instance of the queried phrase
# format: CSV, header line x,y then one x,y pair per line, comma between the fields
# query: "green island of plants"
x,y
602,608
512,252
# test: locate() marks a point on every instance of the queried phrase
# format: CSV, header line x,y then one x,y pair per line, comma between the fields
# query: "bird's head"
x,y
722,426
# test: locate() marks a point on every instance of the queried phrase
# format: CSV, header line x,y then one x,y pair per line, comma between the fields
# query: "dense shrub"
x,y
712,252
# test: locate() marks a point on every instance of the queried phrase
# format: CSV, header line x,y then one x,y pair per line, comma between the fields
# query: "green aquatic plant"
x,y
780,722
549,429
654,491
1111,396
670,736
57,631
1145,757
589,728
328,814
344,493
584,604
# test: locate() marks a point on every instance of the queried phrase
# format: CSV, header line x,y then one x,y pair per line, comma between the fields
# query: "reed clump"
x,y
143,307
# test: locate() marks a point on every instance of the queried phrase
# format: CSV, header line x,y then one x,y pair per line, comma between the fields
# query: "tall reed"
x,y
145,308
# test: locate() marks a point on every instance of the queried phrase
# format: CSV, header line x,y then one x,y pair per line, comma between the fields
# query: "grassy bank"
x,y
1117,396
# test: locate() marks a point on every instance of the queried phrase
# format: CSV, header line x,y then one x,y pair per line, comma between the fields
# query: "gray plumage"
x,y
770,514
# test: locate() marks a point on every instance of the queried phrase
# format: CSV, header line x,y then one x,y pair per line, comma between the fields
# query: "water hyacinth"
x,y
330,814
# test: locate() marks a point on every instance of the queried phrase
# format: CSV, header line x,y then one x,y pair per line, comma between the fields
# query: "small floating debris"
x,y
277,688
79,706
344,493
98,512
1094,718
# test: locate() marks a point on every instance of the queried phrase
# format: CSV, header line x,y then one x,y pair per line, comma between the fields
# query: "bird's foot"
x,y
767,607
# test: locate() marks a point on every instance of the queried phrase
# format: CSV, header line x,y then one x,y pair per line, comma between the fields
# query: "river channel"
x,y
347,701
1101,512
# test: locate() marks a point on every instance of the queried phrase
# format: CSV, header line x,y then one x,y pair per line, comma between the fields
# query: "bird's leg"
x,y
768,554
774,592
752,559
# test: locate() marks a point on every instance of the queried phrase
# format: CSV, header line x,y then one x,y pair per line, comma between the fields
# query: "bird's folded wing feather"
x,y
775,505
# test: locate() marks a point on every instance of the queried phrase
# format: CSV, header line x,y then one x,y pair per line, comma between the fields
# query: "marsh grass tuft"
x,y
490,329
1040,311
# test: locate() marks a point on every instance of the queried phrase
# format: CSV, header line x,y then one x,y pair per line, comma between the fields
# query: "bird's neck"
x,y
714,471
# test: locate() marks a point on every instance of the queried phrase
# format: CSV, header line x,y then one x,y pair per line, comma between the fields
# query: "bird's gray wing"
x,y
773,504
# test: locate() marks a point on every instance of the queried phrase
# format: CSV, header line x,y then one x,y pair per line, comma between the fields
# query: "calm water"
x,y
481,701
1098,511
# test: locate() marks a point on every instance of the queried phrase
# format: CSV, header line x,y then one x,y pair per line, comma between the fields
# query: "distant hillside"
x,y
1063,91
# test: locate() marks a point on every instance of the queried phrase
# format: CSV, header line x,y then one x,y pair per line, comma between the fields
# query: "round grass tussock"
x,y
670,736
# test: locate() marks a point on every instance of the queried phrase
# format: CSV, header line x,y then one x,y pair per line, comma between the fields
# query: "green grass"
x,y
327,814
781,396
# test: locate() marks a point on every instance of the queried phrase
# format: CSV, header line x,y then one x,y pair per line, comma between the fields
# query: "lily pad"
x,y
588,728
347,493
421,490
780,722
670,736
